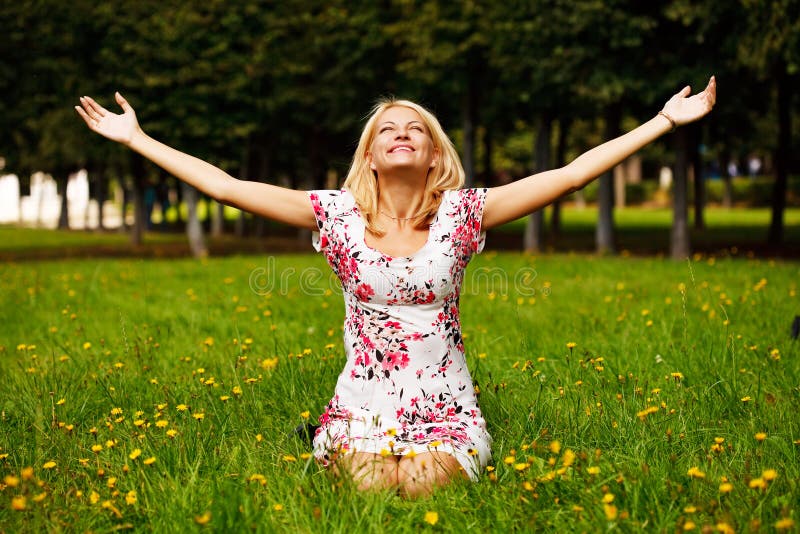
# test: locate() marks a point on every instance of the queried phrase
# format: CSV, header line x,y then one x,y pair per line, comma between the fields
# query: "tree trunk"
x,y
679,239
534,231
194,230
775,237
604,233
561,160
488,148
697,171
62,179
469,117
138,171
100,195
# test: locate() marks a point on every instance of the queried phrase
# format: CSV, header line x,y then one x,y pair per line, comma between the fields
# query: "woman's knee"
x,y
419,475
368,471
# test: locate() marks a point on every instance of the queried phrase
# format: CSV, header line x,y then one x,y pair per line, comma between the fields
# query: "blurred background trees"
x,y
276,91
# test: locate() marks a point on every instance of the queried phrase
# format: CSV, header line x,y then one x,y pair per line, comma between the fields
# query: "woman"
x,y
398,235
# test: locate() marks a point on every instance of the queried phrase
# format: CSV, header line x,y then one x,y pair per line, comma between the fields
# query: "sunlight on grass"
x,y
634,393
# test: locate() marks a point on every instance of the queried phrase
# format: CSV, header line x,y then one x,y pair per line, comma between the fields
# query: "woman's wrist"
x,y
668,117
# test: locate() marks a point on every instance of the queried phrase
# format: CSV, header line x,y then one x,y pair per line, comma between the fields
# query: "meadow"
x,y
622,394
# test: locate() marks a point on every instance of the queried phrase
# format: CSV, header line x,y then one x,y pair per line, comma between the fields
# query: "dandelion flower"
x,y
135,453
746,398
758,483
181,407
277,507
689,525
26,473
19,503
130,497
199,416
289,458
784,524
203,519
725,487
593,470
608,498
431,518
150,461
555,447
11,481
695,472
611,511
49,465
172,432
760,436
769,475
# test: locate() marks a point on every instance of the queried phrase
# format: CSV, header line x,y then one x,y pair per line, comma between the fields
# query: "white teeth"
x,y
403,148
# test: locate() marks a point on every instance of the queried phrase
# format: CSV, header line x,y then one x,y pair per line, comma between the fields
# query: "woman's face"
x,y
401,142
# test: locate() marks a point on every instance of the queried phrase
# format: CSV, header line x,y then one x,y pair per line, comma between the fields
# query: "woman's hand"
x,y
120,128
684,109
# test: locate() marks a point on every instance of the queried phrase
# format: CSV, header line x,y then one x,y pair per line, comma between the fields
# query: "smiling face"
x,y
401,142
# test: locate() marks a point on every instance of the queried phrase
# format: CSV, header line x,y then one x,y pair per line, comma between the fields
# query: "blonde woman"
x,y
399,234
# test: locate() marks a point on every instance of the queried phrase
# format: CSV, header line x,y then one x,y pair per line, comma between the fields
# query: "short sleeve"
x,y
470,207
324,204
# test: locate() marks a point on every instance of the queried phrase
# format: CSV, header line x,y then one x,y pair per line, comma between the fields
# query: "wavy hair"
x,y
362,181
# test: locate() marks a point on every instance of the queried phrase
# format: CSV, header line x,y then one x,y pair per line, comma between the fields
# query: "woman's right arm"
x,y
277,203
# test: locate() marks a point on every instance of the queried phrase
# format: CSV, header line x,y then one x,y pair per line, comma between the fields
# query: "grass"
x,y
638,230
677,370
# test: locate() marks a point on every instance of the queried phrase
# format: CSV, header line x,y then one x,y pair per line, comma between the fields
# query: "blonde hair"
x,y
362,181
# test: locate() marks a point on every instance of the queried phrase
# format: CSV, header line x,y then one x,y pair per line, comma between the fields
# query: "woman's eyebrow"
x,y
407,124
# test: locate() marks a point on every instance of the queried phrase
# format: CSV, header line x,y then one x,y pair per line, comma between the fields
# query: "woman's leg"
x,y
417,476
369,471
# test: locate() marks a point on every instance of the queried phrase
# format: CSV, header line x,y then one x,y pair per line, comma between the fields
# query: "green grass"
x,y
638,230
148,335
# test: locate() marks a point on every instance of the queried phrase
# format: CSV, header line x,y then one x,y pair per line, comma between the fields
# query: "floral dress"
x,y
405,386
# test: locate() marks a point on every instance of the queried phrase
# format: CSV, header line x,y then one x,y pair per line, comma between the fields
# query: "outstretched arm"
x,y
278,203
512,201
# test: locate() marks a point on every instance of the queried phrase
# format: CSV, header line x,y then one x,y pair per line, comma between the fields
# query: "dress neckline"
x,y
408,257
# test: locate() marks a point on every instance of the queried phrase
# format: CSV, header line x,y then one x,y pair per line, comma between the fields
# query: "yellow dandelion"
x,y
135,453
289,458
60,402
26,473
784,524
224,398
555,446
760,436
695,472
568,459
277,507
87,346
689,525
611,511
725,528
39,497
94,497
435,444
236,390
769,475
258,477
521,466
608,498
181,407
431,518
130,497
172,432
150,461
49,465
161,423
746,398
199,416
725,487
203,519
758,483
19,503
11,481
593,470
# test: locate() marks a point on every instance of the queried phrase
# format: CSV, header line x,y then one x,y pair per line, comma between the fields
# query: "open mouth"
x,y
401,148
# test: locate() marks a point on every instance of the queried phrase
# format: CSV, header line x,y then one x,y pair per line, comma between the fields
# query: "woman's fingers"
x,y
122,102
91,123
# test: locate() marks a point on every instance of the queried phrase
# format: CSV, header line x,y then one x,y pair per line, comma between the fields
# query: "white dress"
x,y
405,386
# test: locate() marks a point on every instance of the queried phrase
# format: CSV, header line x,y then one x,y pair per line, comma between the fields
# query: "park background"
x,y
623,390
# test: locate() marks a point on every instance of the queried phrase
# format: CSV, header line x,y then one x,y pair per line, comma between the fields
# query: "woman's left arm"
x,y
512,201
